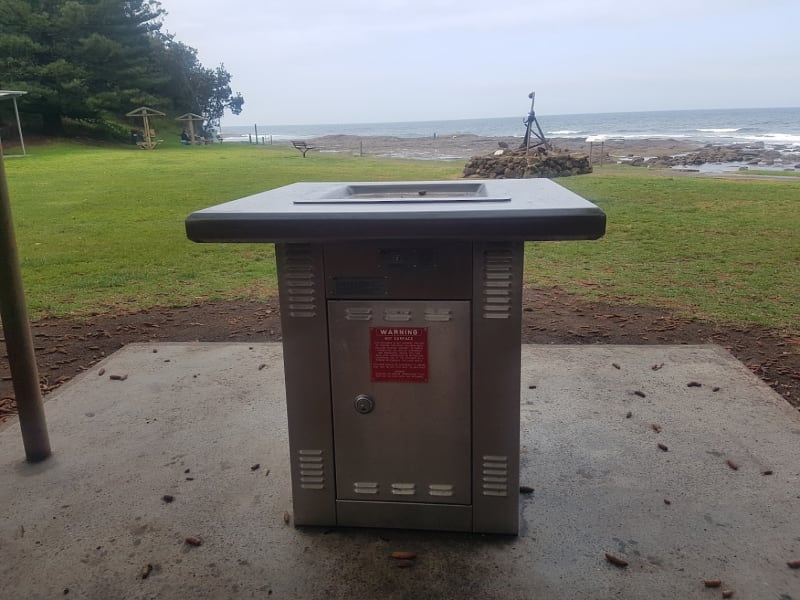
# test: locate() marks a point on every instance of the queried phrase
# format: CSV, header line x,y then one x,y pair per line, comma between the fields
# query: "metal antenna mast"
x,y
530,121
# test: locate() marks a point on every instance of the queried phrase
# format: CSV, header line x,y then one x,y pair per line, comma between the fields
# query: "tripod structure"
x,y
530,121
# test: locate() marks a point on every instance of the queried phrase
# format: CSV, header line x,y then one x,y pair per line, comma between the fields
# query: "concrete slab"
x,y
194,420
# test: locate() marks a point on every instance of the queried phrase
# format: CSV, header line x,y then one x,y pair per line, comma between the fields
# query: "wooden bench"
x,y
303,147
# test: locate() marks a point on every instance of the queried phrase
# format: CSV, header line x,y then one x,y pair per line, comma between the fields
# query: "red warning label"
x,y
398,354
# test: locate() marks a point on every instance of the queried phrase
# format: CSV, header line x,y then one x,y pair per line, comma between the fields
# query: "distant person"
x,y
184,138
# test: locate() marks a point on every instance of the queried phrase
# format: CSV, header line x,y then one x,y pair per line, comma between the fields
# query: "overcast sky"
x,y
354,61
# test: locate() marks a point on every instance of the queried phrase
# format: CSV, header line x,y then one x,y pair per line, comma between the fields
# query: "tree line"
x,y
95,60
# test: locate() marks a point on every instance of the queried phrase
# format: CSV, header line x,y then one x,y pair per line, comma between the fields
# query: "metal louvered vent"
x,y
366,487
404,489
311,465
357,313
494,476
441,489
438,314
397,314
299,280
497,283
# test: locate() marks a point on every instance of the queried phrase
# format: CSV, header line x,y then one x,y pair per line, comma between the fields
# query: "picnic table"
x,y
148,142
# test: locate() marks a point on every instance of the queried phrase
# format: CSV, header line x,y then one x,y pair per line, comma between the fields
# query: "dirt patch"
x,y
66,347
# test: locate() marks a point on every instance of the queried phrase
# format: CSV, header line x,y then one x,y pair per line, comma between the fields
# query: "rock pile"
x,y
515,164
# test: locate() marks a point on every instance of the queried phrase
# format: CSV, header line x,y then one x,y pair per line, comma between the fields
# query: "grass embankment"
x,y
102,229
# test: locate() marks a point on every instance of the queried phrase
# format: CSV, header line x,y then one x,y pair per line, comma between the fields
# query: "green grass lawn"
x,y
101,229
721,249
768,173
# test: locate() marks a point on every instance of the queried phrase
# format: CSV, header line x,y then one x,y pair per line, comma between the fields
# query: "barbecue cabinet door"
x,y
401,394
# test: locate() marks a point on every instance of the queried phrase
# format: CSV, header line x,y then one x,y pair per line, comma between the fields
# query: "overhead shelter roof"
x,y
144,111
148,134
13,95
189,117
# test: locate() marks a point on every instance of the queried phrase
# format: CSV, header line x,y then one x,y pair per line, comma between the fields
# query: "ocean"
x,y
775,127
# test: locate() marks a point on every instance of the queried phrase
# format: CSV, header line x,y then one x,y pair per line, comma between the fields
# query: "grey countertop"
x,y
510,209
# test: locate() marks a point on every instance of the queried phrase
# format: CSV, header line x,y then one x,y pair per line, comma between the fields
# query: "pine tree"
x,y
97,59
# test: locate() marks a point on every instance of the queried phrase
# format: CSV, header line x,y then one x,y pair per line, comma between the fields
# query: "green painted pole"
x,y
19,342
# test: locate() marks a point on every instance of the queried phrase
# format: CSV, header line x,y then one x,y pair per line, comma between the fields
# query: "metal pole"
x,y
19,341
19,125
146,130
532,96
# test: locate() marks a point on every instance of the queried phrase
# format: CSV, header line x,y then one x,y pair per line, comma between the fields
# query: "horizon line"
x,y
543,114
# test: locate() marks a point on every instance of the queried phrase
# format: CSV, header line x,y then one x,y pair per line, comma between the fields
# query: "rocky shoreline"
x,y
653,152
671,153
